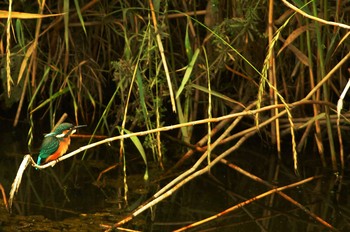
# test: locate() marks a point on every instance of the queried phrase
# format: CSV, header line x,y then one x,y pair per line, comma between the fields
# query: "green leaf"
x,y
188,72
139,147
142,94
216,94
76,2
38,88
188,46
19,33
302,6
54,96
66,23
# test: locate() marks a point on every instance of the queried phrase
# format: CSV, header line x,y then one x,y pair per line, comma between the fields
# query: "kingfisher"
x,y
56,143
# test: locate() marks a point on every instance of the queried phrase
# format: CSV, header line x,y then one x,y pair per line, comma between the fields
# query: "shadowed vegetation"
x,y
247,69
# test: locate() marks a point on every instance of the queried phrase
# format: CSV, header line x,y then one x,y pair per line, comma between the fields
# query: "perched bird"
x,y
56,143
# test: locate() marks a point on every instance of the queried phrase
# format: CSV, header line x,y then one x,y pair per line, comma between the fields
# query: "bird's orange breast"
x,y
64,143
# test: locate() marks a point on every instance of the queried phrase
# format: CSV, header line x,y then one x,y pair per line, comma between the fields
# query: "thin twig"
x,y
4,197
313,17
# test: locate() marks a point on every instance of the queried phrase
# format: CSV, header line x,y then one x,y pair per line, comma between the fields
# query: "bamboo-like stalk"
x,y
275,125
164,61
275,139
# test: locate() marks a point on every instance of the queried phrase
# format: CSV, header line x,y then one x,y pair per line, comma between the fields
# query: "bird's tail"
x,y
38,162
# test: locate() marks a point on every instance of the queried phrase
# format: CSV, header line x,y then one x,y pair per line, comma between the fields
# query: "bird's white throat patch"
x,y
63,134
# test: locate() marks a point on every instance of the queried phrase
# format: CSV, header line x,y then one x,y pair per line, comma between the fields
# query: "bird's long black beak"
x,y
79,126
74,129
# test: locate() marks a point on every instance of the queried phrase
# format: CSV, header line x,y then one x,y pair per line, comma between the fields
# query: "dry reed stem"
x,y
316,108
313,17
103,226
164,61
275,138
204,140
341,147
4,197
122,131
327,77
184,14
262,124
274,92
27,159
306,120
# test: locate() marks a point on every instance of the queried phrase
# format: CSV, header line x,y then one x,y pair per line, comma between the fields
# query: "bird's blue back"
x,y
49,146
